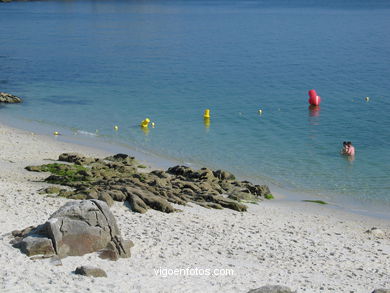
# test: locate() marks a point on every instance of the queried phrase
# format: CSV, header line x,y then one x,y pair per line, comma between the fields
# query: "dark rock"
x,y
140,200
271,289
228,203
105,196
259,190
117,195
122,158
224,175
137,204
75,158
381,291
91,194
8,98
116,178
90,271
206,174
159,173
180,170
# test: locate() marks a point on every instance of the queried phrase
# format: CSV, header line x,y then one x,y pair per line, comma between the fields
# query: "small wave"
x,y
82,132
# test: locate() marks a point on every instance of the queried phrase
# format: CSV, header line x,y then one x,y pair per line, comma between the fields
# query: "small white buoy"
x,y
367,99
56,133
116,128
260,111
152,124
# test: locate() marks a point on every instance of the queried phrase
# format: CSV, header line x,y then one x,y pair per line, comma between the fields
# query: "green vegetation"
x,y
142,166
50,190
315,201
269,196
63,173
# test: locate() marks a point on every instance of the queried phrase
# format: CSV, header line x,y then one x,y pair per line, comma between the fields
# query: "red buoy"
x,y
314,99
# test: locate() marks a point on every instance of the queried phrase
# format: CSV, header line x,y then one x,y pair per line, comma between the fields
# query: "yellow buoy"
x,y
367,99
206,122
145,123
116,128
145,130
206,113
260,112
56,133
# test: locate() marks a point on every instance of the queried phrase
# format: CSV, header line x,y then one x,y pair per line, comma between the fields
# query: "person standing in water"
x,y
350,150
344,149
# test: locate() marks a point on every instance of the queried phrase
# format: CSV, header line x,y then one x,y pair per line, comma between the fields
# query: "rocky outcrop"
x,y
90,271
381,291
117,178
8,98
272,289
77,228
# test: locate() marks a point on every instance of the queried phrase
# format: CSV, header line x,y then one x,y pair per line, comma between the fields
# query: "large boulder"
x,y
8,98
77,228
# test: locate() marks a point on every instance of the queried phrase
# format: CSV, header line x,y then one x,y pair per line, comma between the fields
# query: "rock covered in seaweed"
x,y
117,178
9,99
77,228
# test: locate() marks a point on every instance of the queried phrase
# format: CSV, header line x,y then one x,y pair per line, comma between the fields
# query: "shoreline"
x,y
301,245
155,161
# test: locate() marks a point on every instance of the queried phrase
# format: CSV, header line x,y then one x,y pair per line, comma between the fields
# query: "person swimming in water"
x,y
344,149
350,149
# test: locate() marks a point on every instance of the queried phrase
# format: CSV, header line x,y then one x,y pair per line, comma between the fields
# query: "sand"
x,y
306,246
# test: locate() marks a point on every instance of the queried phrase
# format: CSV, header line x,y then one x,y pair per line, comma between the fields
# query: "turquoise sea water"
x,y
90,65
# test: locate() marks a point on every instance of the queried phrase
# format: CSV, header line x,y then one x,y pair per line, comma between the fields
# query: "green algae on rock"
x,y
116,178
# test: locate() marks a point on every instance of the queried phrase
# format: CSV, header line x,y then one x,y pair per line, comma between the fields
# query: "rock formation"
x,y
117,178
77,228
8,98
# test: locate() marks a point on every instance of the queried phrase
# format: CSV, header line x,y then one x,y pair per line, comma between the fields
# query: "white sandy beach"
x,y
305,246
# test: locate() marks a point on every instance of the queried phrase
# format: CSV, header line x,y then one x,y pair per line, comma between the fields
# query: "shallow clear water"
x,y
90,65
